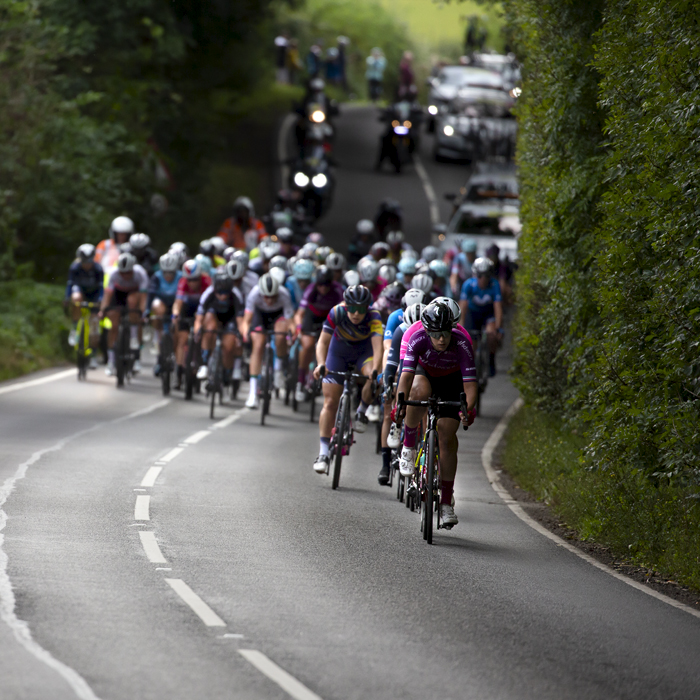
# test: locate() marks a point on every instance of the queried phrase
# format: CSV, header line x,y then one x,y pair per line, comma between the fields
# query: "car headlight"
x,y
318,116
448,130
319,180
432,110
301,179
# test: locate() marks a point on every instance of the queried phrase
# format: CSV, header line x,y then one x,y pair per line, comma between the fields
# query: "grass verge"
x,y
33,329
652,525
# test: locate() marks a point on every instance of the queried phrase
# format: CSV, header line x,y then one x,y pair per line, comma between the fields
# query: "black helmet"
x,y
390,206
324,275
357,295
223,281
393,293
206,247
436,318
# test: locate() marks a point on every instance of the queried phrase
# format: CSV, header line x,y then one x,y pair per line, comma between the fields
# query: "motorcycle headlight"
x,y
401,130
432,110
319,180
301,179
448,130
318,116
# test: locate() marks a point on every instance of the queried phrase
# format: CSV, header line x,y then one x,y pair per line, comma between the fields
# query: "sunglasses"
x,y
357,309
437,335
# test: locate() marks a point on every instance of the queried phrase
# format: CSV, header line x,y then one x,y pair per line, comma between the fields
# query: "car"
x,y
507,66
488,182
445,86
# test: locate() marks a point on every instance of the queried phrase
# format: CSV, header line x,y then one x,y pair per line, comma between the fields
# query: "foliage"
x,y
651,527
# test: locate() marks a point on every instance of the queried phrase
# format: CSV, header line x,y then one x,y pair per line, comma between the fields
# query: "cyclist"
x,y
242,230
351,336
482,307
85,284
285,237
397,245
181,252
220,307
190,288
387,273
300,279
429,253
407,269
369,277
107,251
335,262
361,242
162,290
268,307
319,298
380,251
462,266
144,252
389,300
440,271
439,361
388,217
424,282
127,287
249,278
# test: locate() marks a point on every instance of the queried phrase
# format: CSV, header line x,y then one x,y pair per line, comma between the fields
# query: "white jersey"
x,y
257,302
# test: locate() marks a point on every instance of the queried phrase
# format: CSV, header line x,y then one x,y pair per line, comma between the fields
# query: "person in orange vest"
x,y
242,230
107,251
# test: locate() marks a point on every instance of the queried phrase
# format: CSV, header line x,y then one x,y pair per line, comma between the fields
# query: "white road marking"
x,y
205,613
196,437
228,420
163,568
7,597
495,479
151,475
141,508
282,140
139,489
150,546
38,382
230,635
171,455
428,189
284,680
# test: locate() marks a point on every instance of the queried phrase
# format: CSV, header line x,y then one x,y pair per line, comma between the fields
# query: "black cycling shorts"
x,y
227,319
311,324
265,319
447,388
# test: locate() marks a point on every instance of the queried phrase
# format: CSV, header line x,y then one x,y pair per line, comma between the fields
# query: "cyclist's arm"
x,y
470,389
498,312
463,305
106,299
177,307
377,353
198,322
406,382
143,296
324,341
387,348
247,320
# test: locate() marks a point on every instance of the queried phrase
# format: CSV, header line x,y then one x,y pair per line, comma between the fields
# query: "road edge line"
x,y
428,189
37,382
497,485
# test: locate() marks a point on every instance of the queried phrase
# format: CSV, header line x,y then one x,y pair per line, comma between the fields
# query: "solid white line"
x,y
37,382
150,546
151,475
7,597
196,437
172,454
428,188
228,420
141,508
206,614
282,140
284,680
495,479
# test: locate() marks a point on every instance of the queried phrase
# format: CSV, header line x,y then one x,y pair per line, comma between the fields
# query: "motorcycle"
x,y
400,139
312,177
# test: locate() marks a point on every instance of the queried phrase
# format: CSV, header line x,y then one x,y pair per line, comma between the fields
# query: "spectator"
x,y
343,42
294,64
242,230
281,47
407,78
376,65
332,66
314,60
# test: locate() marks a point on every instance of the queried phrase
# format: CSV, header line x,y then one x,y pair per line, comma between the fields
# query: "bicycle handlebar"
x,y
349,374
434,402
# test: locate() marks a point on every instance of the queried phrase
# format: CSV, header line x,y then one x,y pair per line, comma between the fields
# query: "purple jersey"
x,y
320,304
458,357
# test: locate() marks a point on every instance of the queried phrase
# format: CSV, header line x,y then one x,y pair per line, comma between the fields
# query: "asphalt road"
x,y
333,595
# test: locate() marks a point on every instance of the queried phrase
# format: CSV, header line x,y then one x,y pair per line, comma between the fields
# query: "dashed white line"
x,y
141,508
171,455
150,546
199,607
284,680
196,437
37,382
151,475
228,420
428,189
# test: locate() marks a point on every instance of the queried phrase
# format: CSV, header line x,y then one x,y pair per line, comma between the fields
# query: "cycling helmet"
x,y
85,252
139,241
423,282
268,249
481,266
126,262
350,278
414,296
357,295
368,270
324,275
122,224
394,238
453,306
387,273
303,269
422,268
315,237
228,253
284,234
125,248
439,268
308,250
223,282
244,203
236,269
335,261
387,261
268,285
181,256
241,256
429,253
413,313
379,250
169,262
191,270
219,245
408,252
407,266
322,252
279,274
279,261
365,227
206,247
468,245
393,293
204,262
436,318
179,246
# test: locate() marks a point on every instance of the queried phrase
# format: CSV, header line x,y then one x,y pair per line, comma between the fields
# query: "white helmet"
x,y
368,270
412,314
454,308
278,261
387,273
242,256
350,278
279,274
481,266
219,244
394,237
335,261
423,282
126,262
414,296
236,269
139,241
365,227
122,224
169,262
268,285
85,252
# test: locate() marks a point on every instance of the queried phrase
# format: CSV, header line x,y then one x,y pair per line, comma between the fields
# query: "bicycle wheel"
x,y
80,350
189,369
214,377
429,504
122,353
342,426
165,361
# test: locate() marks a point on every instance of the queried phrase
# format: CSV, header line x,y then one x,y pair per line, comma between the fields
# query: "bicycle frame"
x,y
83,351
265,380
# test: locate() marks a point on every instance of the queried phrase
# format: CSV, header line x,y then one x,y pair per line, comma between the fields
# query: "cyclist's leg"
x,y
229,344
281,326
76,298
158,310
493,340
257,340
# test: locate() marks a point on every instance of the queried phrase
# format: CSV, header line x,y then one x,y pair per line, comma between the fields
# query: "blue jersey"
x,y
480,300
294,290
89,282
160,288
392,323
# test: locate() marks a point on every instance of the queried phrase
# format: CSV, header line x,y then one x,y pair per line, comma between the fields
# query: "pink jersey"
x,y
458,356
416,326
